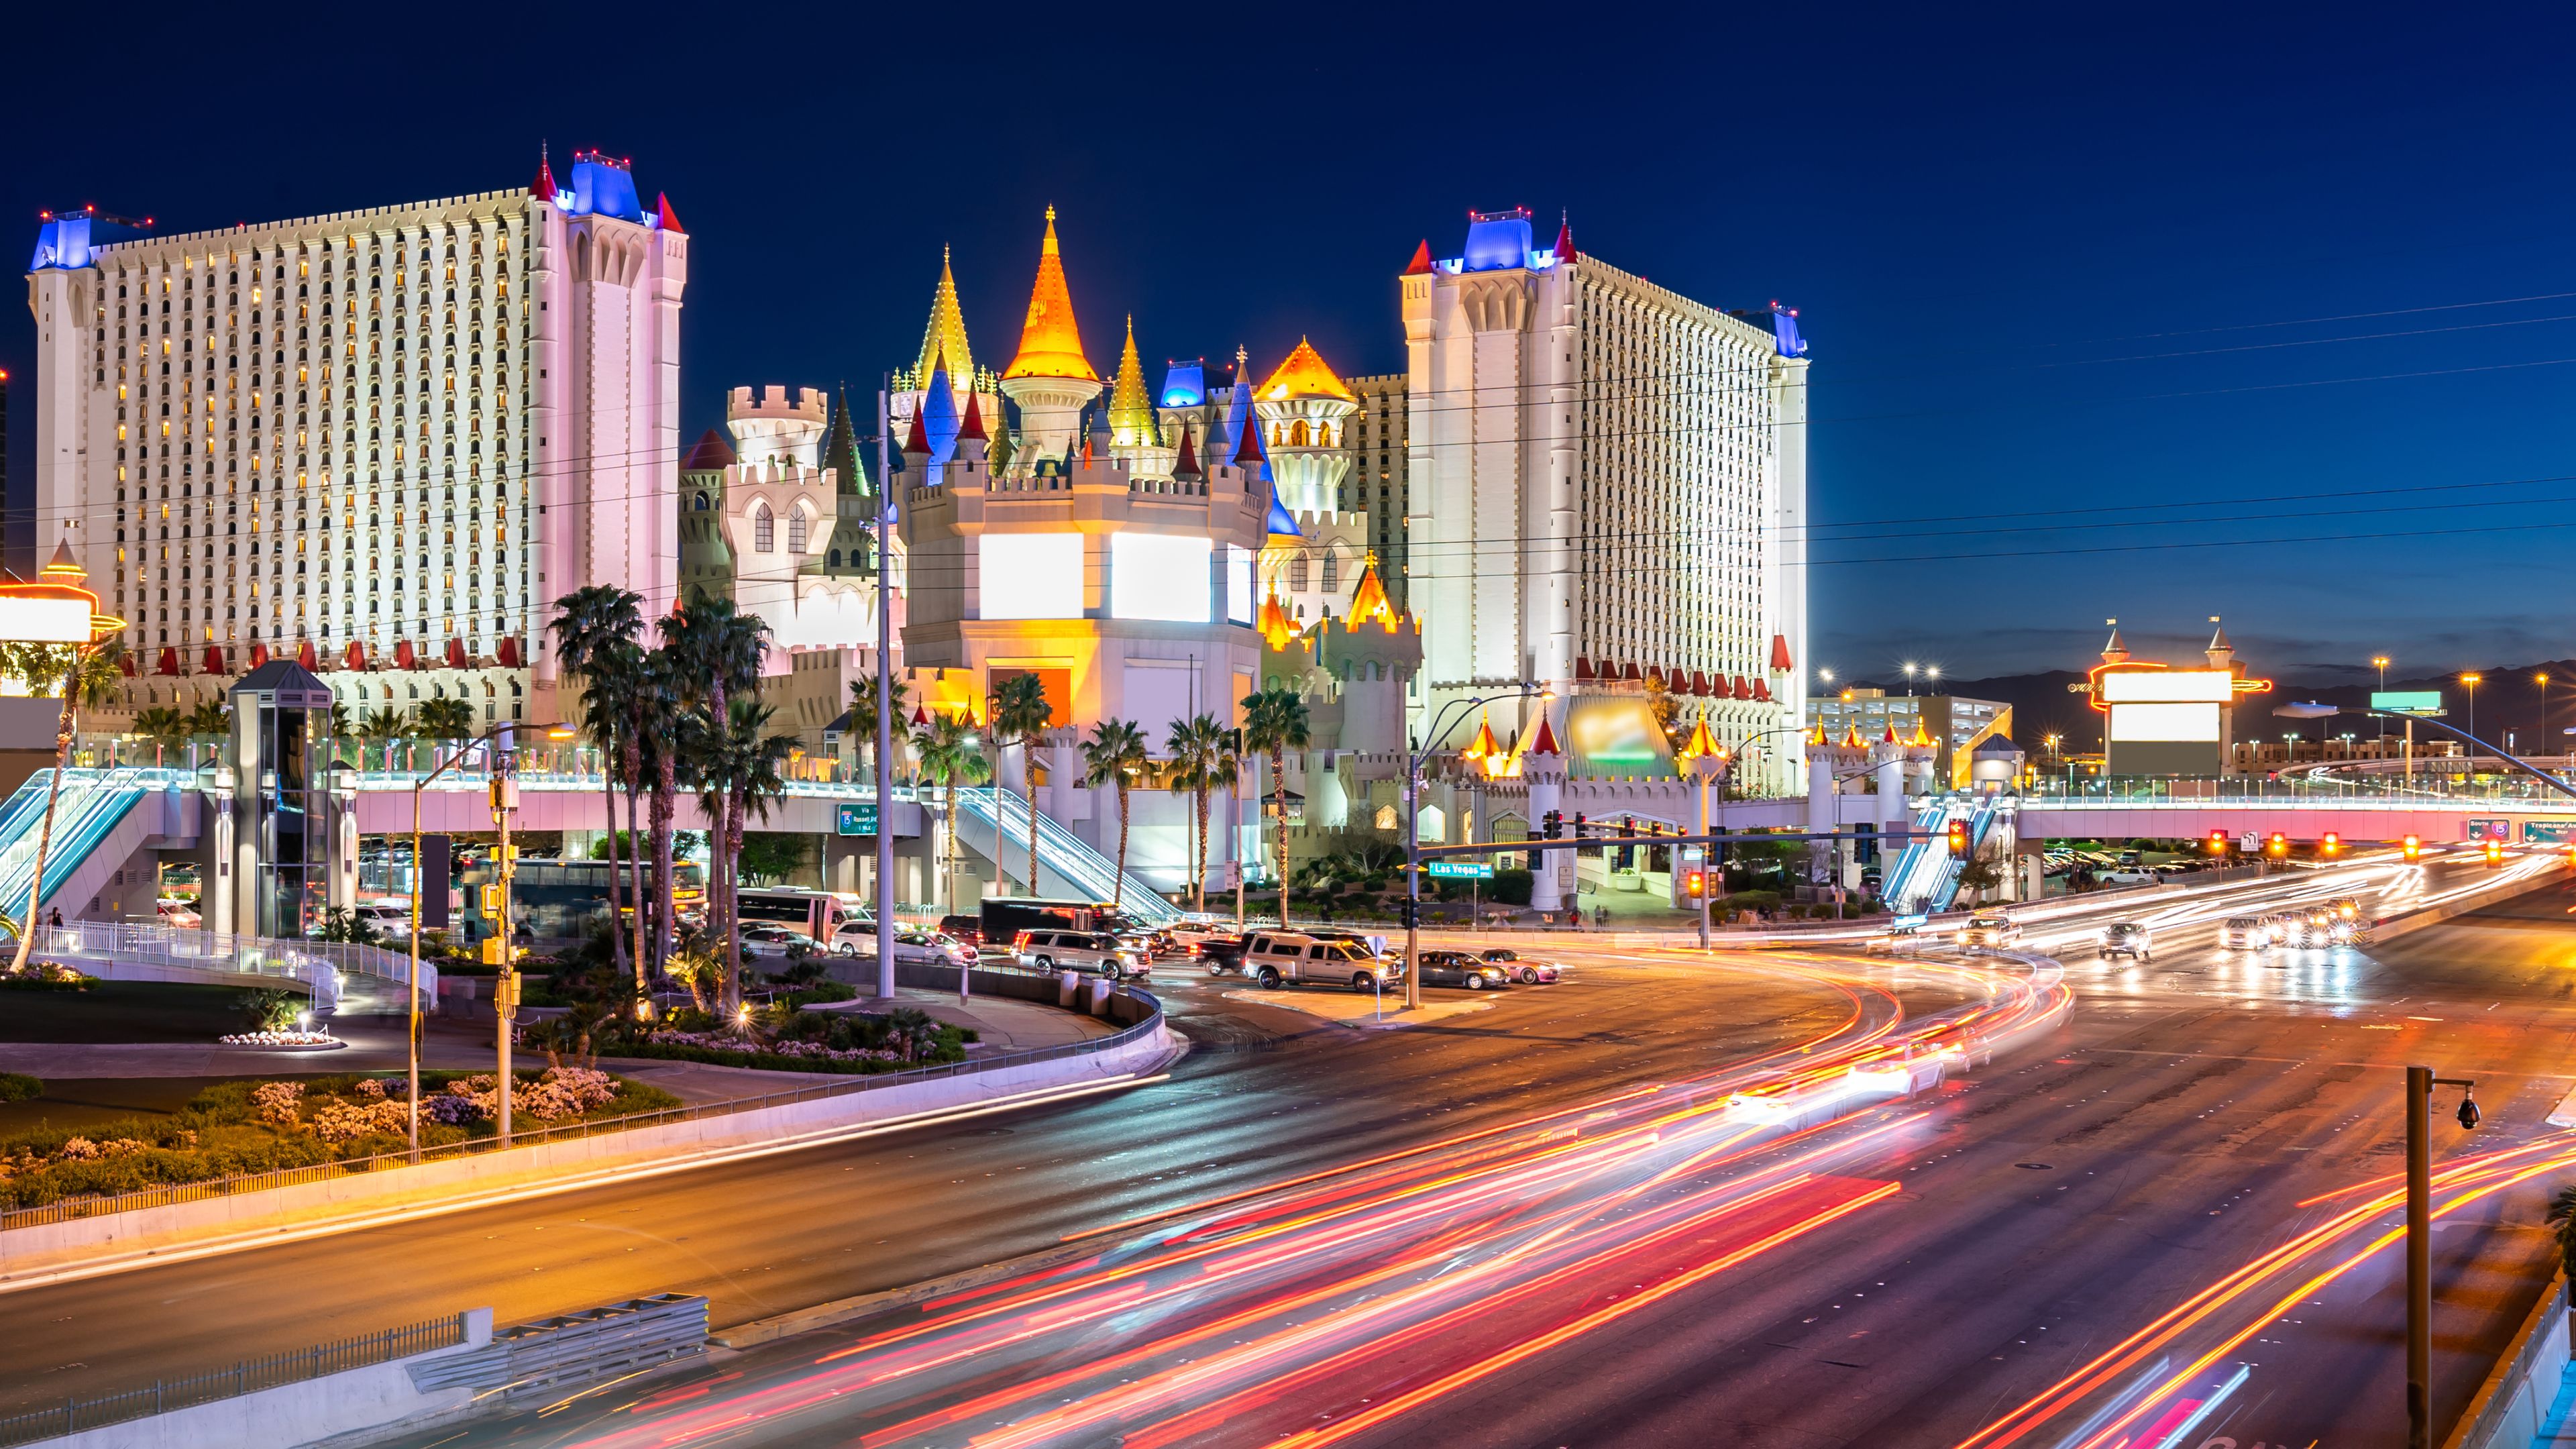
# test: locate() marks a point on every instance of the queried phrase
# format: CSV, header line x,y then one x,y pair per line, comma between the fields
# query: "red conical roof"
x,y
1187,464
917,441
1780,654
711,455
973,426
1564,239
1762,690
1421,262
1545,741
1247,452
1582,668
670,220
544,188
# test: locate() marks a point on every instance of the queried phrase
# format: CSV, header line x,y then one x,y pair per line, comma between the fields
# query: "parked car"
x,y
1279,958
2126,938
2245,933
1457,968
912,945
758,940
1989,930
2127,877
1521,968
1221,953
968,929
1094,953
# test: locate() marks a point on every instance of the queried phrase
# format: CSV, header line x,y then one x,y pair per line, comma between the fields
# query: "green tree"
x,y
950,755
84,674
734,764
595,630
210,717
769,856
1275,722
1020,715
1205,756
863,716
163,726
712,654
443,719
1115,755
383,727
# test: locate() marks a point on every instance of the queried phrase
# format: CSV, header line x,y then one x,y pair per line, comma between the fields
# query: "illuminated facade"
x,y
1607,480
378,442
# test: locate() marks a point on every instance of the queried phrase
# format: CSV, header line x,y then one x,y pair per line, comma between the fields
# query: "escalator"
x,y
1925,879
1066,866
91,807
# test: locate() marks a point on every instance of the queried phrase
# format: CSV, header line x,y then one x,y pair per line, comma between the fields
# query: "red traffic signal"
x,y
1958,836
2414,847
2332,844
1695,883
2218,842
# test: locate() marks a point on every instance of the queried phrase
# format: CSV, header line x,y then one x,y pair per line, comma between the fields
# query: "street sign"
x,y
2490,829
2408,701
2249,842
1459,870
2549,832
858,817
1910,923
1693,854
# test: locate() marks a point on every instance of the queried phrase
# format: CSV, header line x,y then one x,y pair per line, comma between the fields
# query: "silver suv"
x,y
1090,952
1278,958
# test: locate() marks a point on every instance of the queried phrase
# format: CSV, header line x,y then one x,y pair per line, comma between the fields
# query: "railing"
x,y
72,1209
220,951
2430,794
246,1377
2508,1394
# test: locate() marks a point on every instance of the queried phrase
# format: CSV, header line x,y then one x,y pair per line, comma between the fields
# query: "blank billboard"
x,y
2189,722
1030,575
2168,686
1158,576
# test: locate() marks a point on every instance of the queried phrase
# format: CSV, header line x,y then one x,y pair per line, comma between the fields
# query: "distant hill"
x,y
2508,701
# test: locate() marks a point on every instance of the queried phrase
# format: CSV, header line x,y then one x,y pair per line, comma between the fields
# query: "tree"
x,y
443,719
209,717
1980,876
1666,709
163,726
2562,1220
1115,755
595,630
383,727
1020,715
1275,722
86,674
734,763
1205,755
863,716
950,755
769,856
712,652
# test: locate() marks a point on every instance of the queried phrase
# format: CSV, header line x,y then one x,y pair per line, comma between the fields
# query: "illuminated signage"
x,y
1030,575
2176,722
44,620
1158,576
2407,701
2169,686
857,817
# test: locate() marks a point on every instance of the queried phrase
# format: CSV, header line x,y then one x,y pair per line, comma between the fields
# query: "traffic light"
x,y
1695,883
2331,845
2278,845
2414,847
1578,825
1555,823
2495,852
1627,828
2218,842
1958,837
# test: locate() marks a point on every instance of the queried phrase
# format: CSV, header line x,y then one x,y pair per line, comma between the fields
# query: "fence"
x,y
71,1209
245,1377
216,951
576,1348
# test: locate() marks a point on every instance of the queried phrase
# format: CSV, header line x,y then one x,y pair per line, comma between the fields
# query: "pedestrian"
x,y
56,920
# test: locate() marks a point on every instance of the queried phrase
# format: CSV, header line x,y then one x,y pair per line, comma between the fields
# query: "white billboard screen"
x,y
1238,584
1158,576
1030,575
2168,686
2178,722
44,621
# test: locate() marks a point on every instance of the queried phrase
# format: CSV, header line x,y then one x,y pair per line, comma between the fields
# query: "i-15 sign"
x,y
858,817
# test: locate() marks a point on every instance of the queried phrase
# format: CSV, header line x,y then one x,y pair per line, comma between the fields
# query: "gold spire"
x,y
943,342
1050,343
1304,374
1369,602
1702,744
1131,411
1276,627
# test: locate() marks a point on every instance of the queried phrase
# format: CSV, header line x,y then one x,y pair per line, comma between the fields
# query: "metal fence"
x,y
73,1209
246,1377
301,961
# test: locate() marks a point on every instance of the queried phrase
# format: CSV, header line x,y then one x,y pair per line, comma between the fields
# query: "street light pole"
x,y
2420,1083
411,1133
885,722
1413,834
2470,682
2380,663
505,995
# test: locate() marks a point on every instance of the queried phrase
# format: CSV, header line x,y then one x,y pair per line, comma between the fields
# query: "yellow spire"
x,y
1369,601
1484,746
943,342
1304,374
1050,343
1276,627
1920,738
1131,411
1701,743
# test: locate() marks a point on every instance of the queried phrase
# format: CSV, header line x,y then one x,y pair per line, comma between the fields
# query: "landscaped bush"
x,y
1509,888
47,976
19,1087
791,1040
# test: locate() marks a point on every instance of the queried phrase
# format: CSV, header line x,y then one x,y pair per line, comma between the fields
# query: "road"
x,y
1635,1272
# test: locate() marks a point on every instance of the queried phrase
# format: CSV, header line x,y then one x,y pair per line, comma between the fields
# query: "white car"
x,y
2245,933
771,940
1989,930
1090,952
912,945
1277,958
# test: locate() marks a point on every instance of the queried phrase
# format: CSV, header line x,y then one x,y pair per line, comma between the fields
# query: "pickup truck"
x,y
1282,958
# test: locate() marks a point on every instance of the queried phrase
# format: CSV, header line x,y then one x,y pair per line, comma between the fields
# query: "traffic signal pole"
x,y
2420,1082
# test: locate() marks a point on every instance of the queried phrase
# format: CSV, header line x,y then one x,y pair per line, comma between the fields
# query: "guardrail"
x,y
576,1348
71,1209
2516,1397
246,1377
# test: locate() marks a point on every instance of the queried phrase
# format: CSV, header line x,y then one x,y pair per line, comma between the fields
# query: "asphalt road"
x,y
2192,1114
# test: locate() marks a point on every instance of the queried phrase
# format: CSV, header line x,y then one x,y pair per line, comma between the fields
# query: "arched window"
x,y
764,529
836,558
1297,573
1332,569
1297,433
700,503
796,530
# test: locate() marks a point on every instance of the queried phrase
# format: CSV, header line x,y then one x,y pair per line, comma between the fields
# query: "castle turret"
x,y
1303,407
775,430
1050,379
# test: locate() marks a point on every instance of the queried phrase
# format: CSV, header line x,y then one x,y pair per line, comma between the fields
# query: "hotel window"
x,y
764,530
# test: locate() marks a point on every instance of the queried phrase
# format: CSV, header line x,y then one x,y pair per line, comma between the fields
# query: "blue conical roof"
x,y
939,417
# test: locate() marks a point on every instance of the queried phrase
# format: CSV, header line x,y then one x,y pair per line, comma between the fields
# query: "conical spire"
x,y
2115,651
1131,411
665,218
841,452
1564,239
544,187
1187,465
944,340
1304,373
1421,263
2218,638
973,428
1368,600
1050,342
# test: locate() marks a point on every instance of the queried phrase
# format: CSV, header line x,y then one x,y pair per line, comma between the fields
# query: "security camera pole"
x,y
2420,1083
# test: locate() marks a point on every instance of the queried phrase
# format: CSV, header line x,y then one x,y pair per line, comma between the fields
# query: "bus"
x,y
816,913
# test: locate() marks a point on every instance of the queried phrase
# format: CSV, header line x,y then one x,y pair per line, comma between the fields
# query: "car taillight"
x,y
1019,940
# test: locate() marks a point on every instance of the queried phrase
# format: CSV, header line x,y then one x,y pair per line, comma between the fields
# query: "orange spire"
x,y
1050,343
1276,627
1484,745
1369,601
1701,744
1851,737
1920,738
1304,374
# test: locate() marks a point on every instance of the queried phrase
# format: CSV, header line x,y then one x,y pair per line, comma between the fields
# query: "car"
x,y
2127,938
759,940
1459,968
2130,876
1521,968
1280,958
1093,953
1221,953
2245,933
2311,930
1159,945
969,929
1989,929
912,945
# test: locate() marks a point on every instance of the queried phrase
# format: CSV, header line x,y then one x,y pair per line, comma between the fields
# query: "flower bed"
x,y
235,1128
849,1043
282,1039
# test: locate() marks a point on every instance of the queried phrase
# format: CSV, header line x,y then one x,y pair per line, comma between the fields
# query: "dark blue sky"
x,y
2050,263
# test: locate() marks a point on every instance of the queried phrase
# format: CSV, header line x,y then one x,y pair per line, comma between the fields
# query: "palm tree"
x,y
1020,715
1113,756
735,766
595,629
383,727
1274,722
87,674
653,723
714,654
209,717
950,755
163,726
1204,756
443,719
863,715
2562,1217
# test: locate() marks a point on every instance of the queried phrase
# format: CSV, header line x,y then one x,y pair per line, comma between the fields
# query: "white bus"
x,y
815,913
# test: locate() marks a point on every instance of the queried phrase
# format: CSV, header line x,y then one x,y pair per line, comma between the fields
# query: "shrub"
x,y
271,1010
19,1087
1509,888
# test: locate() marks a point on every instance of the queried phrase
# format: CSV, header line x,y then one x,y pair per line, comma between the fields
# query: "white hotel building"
x,y
379,441
1605,477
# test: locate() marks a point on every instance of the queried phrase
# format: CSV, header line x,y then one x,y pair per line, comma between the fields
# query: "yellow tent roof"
x,y
1304,374
1484,746
1131,411
1702,743
1050,343
1276,627
945,337
1369,602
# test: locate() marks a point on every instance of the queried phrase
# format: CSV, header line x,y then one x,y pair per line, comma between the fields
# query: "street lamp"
x,y
2420,1083
2471,682
2380,663
506,990
1413,831
1826,675
1910,667
2542,679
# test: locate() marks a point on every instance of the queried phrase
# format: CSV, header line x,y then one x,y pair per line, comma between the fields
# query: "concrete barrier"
x,y
2510,1406
109,1241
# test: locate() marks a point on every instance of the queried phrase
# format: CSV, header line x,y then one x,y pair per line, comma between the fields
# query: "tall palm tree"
x,y
735,765
715,655
1114,755
87,674
209,717
383,727
948,754
1204,757
1275,722
1020,716
863,716
163,726
443,719
655,724
595,629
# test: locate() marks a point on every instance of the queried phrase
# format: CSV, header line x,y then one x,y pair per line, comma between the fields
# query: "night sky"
x,y
2299,277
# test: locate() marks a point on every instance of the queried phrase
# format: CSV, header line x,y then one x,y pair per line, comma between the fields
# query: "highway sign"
x,y
2490,829
859,817
2408,701
1459,870
2549,832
